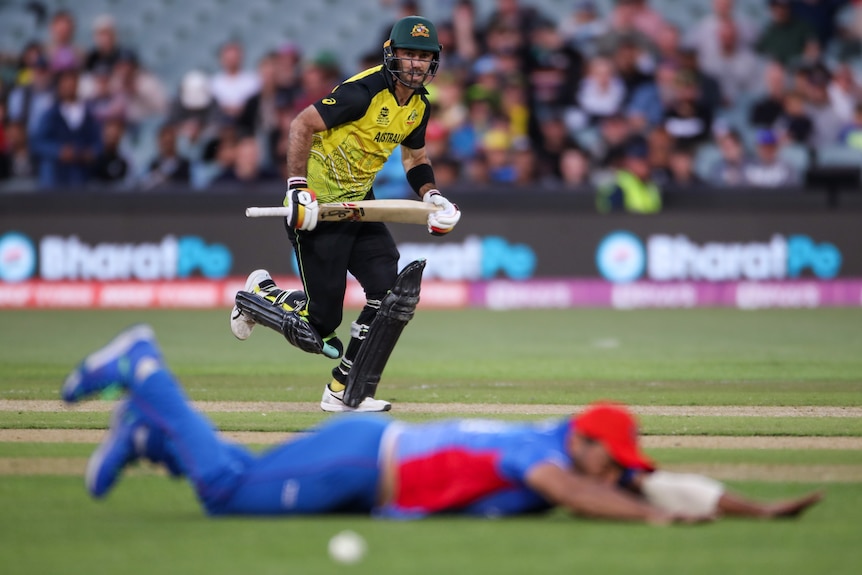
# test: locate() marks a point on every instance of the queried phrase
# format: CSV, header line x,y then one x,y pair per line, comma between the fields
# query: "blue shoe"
x,y
115,452
112,365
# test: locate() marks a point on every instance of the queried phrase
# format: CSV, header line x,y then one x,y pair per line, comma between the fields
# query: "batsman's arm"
x,y
584,496
418,158
302,129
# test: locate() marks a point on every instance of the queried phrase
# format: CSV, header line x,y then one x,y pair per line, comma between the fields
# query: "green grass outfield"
x,y
802,358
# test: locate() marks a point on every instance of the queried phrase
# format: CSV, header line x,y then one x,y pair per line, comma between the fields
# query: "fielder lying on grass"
x,y
590,464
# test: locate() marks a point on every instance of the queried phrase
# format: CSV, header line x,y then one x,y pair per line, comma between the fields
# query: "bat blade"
x,y
394,211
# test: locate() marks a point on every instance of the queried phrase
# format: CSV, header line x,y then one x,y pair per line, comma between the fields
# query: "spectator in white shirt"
x,y
233,86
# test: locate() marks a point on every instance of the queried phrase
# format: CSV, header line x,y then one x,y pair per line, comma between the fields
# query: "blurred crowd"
x,y
522,98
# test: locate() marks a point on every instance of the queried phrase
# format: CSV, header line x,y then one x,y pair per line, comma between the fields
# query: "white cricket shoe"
x,y
240,324
333,401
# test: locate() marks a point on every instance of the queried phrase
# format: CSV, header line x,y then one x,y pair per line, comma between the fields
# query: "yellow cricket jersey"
x,y
364,124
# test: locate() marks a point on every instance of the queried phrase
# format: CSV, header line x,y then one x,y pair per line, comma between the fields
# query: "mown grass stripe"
x,y
650,424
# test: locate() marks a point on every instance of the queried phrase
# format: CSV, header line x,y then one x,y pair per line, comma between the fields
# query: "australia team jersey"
x,y
364,124
472,466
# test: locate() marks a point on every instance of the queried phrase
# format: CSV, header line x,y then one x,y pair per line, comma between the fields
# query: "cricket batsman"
x,y
335,149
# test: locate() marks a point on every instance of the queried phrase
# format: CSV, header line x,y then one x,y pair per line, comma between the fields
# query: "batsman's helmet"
x,y
413,33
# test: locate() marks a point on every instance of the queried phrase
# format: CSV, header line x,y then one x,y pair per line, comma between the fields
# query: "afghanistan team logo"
x,y
420,30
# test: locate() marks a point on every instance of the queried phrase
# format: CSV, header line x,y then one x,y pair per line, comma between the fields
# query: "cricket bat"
x,y
395,211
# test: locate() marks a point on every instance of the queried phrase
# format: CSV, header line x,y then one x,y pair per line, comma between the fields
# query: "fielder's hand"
x,y
301,202
443,221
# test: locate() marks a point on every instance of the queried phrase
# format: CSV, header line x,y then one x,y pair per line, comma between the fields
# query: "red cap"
x,y
613,426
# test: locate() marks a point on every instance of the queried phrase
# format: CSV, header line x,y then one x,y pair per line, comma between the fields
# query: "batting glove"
x,y
302,206
442,221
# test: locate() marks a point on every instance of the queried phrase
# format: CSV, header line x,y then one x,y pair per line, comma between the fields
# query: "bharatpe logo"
x,y
620,257
677,258
477,258
17,257
68,258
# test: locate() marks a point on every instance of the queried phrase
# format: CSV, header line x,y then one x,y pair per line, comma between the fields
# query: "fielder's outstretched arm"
x,y
584,496
693,493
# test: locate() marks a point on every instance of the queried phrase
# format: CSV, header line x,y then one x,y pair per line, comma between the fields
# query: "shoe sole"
x,y
236,314
115,348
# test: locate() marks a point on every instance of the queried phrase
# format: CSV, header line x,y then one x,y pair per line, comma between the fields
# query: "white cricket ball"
x,y
347,547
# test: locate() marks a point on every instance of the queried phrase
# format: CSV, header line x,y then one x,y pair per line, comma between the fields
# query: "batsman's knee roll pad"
x,y
296,330
396,309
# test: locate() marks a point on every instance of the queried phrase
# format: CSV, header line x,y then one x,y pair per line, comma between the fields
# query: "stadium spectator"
x,y
767,169
319,76
5,158
827,121
259,115
194,102
794,125
632,188
517,17
704,36
687,118
466,37
554,139
232,86
736,68
31,57
602,92
615,132
104,102
27,102
464,140
844,91
642,17
851,134
681,172
447,171
786,38
61,50
668,45
496,146
623,26
246,167
17,163
648,102
68,138
112,165
583,28
821,16
525,164
768,108
707,86
106,49
514,107
627,61
450,99
169,166
145,96
729,170
476,170
288,69
574,167
552,68
661,145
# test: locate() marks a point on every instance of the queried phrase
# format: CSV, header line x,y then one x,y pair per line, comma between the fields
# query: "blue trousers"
x,y
331,469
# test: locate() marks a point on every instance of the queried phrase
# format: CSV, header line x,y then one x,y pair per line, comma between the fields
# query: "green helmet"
x,y
412,33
